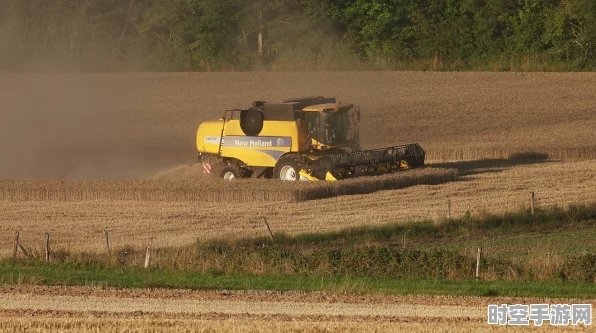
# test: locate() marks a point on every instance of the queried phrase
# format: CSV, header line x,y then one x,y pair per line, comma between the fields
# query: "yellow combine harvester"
x,y
311,138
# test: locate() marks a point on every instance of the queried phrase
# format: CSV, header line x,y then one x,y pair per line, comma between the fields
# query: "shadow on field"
x,y
467,168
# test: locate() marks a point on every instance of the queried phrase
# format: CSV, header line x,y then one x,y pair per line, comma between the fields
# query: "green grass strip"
x,y
38,273
495,225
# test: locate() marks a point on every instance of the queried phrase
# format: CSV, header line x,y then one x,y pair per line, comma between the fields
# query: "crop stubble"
x,y
348,325
84,309
79,225
210,189
114,126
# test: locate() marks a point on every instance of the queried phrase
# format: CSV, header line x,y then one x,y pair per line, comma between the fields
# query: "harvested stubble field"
x,y
493,187
207,189
32,309
141,126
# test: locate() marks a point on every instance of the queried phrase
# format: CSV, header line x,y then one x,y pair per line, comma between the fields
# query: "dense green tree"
x,y
580,30
490,30
377,28
529,25
188,35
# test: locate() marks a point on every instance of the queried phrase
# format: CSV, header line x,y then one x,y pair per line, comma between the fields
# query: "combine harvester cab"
x,y
311,138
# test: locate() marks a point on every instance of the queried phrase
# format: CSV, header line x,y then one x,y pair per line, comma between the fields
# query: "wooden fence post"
x,y
478,264
532,203
449,209
47,247
16,246
23,251
148,253
268,228
107,241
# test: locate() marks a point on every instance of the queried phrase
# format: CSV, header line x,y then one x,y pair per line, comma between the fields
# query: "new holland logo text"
x,y
253,143
257,141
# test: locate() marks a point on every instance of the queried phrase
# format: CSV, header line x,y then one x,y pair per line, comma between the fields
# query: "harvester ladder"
x,y
221,138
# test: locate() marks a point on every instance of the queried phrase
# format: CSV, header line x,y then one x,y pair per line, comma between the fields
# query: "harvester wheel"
x,y
231,172
288,168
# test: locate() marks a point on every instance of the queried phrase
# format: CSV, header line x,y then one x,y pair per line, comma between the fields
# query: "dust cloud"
x,y
81,127
122,126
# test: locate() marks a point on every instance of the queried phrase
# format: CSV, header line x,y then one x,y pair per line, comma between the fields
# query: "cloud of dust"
x,y
106,126
79,126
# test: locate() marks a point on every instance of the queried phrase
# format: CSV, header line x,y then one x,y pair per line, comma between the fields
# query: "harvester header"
x,y
309,138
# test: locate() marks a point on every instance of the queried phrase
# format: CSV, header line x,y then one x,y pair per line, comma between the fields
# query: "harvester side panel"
x,y
263,150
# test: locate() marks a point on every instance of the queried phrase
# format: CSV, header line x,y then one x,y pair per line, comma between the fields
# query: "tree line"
x,y
216,35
